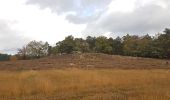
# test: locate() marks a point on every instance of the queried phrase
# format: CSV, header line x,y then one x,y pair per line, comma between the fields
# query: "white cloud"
x,y
47,26
10,40
52,20
121,6
34,23
82,11
142,17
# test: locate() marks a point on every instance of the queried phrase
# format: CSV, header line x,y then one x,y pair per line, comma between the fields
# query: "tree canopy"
x,y
157,46
34,49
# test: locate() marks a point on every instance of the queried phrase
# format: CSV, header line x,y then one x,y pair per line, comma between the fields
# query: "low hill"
x,y
87,61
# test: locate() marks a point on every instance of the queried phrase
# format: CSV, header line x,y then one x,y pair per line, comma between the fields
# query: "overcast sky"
x,y
51,20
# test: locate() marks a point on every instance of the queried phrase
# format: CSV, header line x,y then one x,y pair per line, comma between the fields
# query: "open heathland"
x,y
86,61
80,84
85,77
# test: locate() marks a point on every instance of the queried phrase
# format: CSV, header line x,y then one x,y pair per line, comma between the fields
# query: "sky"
x,y
52,20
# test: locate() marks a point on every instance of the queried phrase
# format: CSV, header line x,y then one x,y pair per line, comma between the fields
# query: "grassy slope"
x,y
87,61
79,84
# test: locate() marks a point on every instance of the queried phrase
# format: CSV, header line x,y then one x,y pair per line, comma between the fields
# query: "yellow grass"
x,y
79,84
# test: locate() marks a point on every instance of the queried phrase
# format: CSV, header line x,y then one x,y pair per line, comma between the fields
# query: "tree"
x,y
66,46
22,52
91,42
130,45
163,44
145,46
34,49
37,49
167,31
102,45
49,50
81,45
117,46
167,42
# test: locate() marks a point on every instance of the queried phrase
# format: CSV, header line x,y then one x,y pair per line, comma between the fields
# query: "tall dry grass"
x,y
71,84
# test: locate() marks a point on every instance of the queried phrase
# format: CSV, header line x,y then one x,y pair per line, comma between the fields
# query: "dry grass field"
x,y
85,77
81,84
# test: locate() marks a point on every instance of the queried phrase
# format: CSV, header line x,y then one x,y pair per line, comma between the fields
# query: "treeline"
x,y
4,57
130,45
157,46
7,57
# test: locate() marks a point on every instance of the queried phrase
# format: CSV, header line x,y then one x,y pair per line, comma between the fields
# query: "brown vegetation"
x,y
87,61
79,84
85,77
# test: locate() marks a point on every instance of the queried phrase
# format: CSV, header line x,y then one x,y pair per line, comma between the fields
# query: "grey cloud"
x,y
146,19
84,10
149,18
70,5
56,5
9,39
82,19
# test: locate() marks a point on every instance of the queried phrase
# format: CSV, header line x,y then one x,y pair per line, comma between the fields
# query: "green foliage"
x,y
145,46
163,44
102,45
129,45
4,57
66,46
117,46
81,45
91,42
